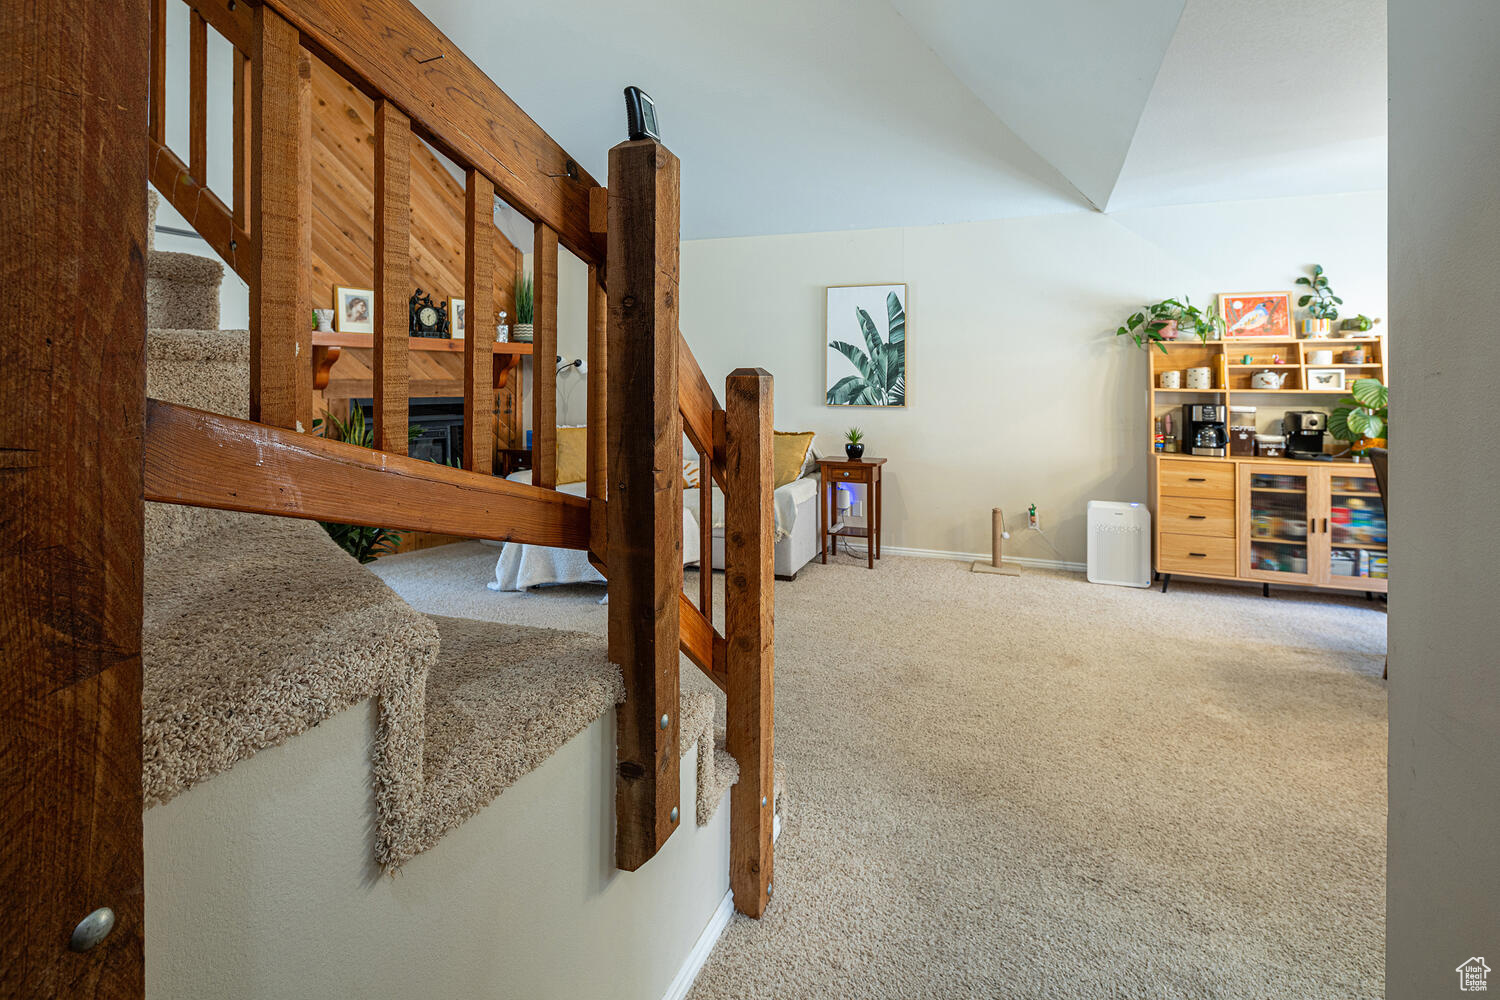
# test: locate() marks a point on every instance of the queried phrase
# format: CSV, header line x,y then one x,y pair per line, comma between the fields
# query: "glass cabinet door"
x,y
1357,537
1280,515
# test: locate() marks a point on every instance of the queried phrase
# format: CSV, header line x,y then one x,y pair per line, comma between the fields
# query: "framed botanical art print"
x,y
456,318
1256,315
865,354
1325,378
354,310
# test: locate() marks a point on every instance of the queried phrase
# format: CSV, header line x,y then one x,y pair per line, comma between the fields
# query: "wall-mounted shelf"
x,y
328,347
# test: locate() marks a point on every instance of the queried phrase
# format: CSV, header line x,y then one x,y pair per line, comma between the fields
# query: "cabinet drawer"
x,y
1196,554
846,475
1191,516
1195,479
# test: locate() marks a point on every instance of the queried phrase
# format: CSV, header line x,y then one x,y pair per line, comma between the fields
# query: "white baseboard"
x,y
704,946
1071,567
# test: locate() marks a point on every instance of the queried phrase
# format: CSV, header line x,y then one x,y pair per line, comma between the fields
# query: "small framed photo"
x,y
457,319
1325,378
354,310
1256,315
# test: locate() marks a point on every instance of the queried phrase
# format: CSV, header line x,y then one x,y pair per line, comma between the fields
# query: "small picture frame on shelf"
x,y
1325,378
457,320
354,310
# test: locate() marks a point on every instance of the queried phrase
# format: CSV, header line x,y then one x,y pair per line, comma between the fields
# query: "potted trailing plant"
x,y
854,446
1363,419
1165,320
524,327
1321,304
362,542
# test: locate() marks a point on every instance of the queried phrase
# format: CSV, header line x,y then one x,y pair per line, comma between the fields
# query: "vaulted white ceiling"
x,y
816,115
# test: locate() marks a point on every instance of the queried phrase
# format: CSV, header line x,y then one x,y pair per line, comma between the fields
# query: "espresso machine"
x,y
1304,430
1203,429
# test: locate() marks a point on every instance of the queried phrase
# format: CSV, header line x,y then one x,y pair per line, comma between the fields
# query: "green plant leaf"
x,y
1304,300
853,390
895,315
857,358
1317,269
1303,281
1370,392
876,373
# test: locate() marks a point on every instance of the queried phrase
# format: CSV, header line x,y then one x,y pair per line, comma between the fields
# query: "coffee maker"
x,y
1304,431
1203,427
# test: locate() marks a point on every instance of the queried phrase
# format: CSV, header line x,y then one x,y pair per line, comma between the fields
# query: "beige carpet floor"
x,y
1036,787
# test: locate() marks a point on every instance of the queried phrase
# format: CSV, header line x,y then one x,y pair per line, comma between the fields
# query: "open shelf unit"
x,y
1265,519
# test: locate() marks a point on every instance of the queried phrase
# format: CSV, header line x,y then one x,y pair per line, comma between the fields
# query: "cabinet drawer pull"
x,y
1197,479
1197,517
1198,555
1325,525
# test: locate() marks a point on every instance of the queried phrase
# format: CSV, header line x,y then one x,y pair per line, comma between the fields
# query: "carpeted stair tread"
x,y
182,291
500,700
256,632
172,265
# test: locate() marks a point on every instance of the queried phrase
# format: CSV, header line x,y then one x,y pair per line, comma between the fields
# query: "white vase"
x,y
521,333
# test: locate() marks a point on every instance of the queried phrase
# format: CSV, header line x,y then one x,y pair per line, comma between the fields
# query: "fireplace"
x,y
441,422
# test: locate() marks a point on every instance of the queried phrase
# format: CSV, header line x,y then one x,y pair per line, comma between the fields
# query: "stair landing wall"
x,y
261,884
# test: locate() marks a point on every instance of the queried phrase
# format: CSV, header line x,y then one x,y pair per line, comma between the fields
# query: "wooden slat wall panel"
x,y
72,376
479,264
343,204
398,49
392,276
543,356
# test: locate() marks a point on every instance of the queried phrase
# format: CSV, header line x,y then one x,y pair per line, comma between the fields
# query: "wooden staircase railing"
x,y
645,388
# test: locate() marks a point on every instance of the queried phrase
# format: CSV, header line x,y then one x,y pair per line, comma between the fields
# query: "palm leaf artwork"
x,y
880,378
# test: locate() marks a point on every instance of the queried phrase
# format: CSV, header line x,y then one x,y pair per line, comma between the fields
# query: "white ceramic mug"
x,y
1171,380
1320,357
1200,378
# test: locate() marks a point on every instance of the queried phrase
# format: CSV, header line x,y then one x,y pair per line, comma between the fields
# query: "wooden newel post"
x,y
749,604
73,132
644,512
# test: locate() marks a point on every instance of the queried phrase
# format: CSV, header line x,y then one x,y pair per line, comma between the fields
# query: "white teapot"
x,y
1268,380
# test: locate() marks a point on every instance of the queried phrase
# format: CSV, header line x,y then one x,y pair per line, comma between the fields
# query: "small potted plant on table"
x,y
855,444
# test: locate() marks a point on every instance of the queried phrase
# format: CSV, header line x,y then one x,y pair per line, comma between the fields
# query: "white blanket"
x,y
787,499
521,567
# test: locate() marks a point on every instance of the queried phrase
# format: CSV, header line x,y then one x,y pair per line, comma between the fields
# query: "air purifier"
x,y
1119,543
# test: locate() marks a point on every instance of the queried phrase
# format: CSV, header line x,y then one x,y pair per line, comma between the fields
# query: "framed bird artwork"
x,y
1256,315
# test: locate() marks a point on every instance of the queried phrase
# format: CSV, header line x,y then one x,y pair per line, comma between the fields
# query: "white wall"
x,y
1443,883
261,885
1018,391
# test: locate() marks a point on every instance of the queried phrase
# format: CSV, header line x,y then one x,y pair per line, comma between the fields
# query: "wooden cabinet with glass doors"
x,y
1319,526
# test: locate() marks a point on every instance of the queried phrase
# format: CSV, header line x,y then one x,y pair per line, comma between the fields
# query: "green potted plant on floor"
x,y
524,327
854,445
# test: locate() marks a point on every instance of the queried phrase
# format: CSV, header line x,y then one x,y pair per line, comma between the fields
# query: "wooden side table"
x,y
836,472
